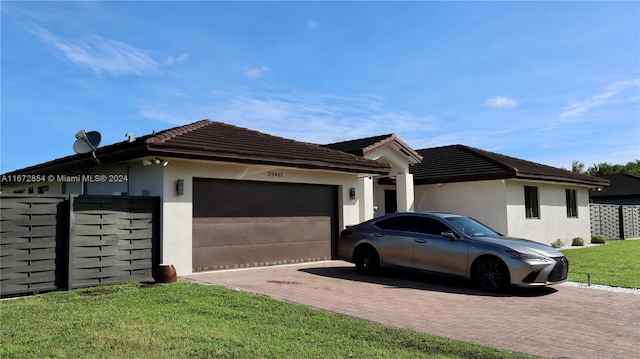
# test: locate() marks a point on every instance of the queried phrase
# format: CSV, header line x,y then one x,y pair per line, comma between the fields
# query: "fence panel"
x,y
615,221
32,237
631,221
112,239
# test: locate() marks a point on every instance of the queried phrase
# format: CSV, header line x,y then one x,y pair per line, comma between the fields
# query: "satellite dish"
x,y
86,141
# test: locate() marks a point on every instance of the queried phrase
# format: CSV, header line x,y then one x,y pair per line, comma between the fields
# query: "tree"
x,y
577,167
603,168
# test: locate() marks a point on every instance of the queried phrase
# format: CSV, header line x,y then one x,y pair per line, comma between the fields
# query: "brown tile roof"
x,y
357,147
216,141
219,141
363,146
459,163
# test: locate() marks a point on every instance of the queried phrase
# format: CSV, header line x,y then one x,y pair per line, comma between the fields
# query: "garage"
x,y
239,224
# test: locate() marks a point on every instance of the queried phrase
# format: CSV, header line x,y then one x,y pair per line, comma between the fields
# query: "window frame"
x,y
531,202
571,197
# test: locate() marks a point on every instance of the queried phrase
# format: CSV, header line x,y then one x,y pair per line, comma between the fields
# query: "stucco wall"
x,y
177,211
483,200
553,222
500,205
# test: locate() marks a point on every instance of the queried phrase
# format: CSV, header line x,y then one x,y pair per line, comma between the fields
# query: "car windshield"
x,y
471,228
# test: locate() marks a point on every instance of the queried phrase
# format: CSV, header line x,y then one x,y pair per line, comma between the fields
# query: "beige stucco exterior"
x,y
177,211
500,205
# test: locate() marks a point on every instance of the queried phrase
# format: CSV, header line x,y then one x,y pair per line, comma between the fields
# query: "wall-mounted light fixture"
x,y
156,161
160,161
352,193
179,187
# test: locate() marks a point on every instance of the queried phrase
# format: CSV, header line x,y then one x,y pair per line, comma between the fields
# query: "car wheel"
x,y
490,274
366,259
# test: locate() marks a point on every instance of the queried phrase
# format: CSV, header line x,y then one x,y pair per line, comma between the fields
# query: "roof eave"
x,y
407,151
378,169
506,176
595,183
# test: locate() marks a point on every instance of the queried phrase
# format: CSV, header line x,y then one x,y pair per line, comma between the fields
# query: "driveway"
x,y
556,322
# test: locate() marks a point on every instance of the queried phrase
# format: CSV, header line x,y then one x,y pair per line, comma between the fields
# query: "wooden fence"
x,y
63,242
615,221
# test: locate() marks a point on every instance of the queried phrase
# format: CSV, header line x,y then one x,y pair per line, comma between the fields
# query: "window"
x,y
432,226
400,223
531,203
414,224
43,189
572,203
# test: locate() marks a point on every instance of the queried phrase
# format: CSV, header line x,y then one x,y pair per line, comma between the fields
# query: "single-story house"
x,y
624,189
513,196
233,197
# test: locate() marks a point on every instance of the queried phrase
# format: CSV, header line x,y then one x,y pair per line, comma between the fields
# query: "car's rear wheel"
x,y
366,259
490,274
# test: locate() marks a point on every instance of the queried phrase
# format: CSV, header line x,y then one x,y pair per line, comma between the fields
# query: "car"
x,y
451,244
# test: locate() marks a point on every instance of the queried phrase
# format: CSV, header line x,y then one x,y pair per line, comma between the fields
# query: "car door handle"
x,y
378,235
420,240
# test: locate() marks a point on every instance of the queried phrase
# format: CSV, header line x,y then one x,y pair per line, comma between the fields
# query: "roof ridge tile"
x,y
173,132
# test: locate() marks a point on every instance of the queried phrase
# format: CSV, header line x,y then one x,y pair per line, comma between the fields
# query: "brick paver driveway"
x,y
557,322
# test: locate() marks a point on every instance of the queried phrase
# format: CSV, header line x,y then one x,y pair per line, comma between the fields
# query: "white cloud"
x,y
313,24
320,118
608,96
257,72
501,102
176,60
101,55
310,117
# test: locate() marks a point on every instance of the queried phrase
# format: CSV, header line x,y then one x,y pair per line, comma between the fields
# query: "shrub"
x,y
577,242
598,239
557,243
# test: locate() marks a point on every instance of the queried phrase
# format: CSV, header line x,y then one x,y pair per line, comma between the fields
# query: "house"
x,y
624,189
513,196
232,197
516,197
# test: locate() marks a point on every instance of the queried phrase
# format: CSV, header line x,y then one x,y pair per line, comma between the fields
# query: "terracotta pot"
x,y
166,273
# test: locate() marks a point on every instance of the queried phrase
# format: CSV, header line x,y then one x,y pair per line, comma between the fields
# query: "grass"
x,y
614,264
184,320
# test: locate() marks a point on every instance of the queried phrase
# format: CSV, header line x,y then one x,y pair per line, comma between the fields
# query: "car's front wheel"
x,y
366,259
490,274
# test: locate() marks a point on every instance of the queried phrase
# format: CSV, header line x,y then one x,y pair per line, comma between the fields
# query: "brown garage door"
x,y
241,224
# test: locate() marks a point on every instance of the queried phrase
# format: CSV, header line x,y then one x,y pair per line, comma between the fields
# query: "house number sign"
x,y
275,174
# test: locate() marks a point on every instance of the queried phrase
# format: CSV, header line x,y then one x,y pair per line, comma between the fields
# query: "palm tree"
x,y
577,166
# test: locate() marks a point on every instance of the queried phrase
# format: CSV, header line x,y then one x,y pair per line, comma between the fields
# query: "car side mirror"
x,y
450,235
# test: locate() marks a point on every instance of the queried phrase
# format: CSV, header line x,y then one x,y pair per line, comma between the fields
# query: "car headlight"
x,y
524,256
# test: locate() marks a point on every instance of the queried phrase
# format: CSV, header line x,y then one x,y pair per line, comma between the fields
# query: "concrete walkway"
x,y
555,322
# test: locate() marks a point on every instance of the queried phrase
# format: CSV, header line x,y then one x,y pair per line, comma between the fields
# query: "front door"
x,y
390,201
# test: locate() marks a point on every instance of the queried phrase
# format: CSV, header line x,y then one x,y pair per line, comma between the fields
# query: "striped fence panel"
x,y
31,243
112,240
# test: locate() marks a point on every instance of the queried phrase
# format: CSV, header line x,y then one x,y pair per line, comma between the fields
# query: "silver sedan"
x,y
451,244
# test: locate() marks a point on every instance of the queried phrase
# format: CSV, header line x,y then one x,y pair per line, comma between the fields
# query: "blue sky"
x,y
549,82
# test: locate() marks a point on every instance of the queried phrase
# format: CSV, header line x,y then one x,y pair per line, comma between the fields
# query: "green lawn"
x,y
616,263
184,320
